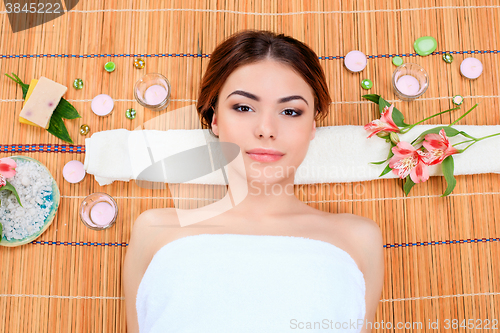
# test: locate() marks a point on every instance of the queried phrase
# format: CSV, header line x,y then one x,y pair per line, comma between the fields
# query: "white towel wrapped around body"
x,y
225,283
336,154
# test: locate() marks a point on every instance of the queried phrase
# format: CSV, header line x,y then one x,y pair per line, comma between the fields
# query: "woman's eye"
x,y
242,108
290,112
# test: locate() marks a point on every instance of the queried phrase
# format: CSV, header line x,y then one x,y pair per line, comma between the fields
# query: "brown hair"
x,y
250,46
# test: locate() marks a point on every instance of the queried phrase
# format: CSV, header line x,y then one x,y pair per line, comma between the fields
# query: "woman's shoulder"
x,y
157,216
358,226
152,227
360,236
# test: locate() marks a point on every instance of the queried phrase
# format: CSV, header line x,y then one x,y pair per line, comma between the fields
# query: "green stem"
x,y
468,146
437,114
488,136
462,142
466,113
476,140
404,130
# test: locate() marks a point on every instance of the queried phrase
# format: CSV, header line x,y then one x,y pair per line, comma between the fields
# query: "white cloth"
x,y
227,283
336,154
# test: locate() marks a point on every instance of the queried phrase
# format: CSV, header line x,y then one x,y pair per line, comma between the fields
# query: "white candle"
x,y
102,213
73,171
102,105
471,68
408,85
355,61
155,94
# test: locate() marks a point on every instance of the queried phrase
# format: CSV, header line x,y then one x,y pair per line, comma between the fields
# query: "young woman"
x,y
263,92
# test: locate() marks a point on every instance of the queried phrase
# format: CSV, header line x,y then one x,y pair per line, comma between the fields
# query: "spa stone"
x,y
397,61
425,45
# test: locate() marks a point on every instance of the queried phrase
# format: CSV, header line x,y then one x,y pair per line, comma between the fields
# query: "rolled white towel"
x,y
336,154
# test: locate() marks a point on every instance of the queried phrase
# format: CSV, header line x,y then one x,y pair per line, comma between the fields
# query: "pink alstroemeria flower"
x,y
3,182
385,123
438,148
7,167
407,160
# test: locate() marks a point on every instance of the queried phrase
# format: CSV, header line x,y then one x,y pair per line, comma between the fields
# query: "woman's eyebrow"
x,y
252,96
291,98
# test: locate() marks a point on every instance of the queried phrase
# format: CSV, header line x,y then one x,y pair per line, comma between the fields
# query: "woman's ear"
x,y
313,133
215,128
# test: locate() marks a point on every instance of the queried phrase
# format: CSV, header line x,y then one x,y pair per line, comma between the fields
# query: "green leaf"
x,y
450,131
382,103
466,135
377,163
23,85
8,187
66,110
386,170
408,185
448,167
58,129
372,97
398,118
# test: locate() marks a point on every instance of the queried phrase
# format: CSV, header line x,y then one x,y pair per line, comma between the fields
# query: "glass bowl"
x,y
89,203
405,80
146,82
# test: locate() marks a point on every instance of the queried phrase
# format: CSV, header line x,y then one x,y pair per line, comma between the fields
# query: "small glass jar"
x,y
409,81
98,211
153,91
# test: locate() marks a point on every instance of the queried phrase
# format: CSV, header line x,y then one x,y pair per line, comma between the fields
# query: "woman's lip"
x,y
265,157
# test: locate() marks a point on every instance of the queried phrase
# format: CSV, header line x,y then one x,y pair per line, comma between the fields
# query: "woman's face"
x,y
266,105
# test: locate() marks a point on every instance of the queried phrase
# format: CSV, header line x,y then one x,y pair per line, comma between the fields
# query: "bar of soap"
x,y
28,94
41,102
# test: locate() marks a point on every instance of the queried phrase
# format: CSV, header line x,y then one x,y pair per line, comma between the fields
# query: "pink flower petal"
x,y
403,149
419,173
7,167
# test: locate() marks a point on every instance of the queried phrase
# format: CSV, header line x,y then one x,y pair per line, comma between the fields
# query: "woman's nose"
x,y
266,126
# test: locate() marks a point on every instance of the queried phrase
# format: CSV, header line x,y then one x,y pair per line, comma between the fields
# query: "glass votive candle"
x,y
409,81
152,91
98,211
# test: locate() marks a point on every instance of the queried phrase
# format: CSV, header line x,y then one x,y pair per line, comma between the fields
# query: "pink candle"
x,y
102,105
471,68
408,85
102,213
155,94
73,171
355,61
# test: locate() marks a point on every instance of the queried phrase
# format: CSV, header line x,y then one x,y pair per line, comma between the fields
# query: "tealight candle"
x,y
152,91
408,85
155,94
102,213
98,211
73,171
410,81
102,105
471,68
355,61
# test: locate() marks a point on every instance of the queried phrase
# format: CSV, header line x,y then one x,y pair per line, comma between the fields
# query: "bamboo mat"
x,y
440,253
